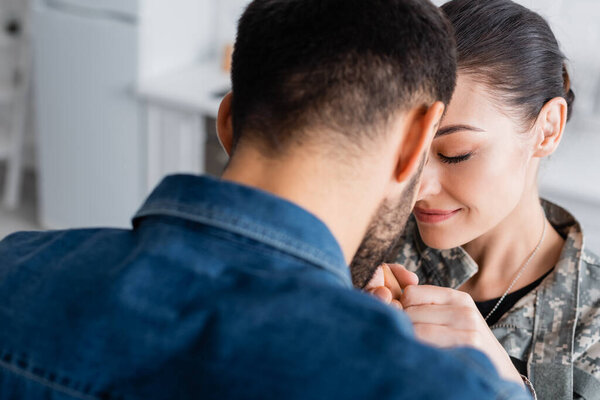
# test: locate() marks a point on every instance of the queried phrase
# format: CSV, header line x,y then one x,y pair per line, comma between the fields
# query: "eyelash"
x,y
454,160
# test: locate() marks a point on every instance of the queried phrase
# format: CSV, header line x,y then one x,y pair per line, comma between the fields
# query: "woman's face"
x,y
478,170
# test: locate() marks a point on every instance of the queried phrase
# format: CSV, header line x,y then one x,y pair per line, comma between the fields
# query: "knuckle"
x,y
465,298
472,339
383,294
408,296
470,317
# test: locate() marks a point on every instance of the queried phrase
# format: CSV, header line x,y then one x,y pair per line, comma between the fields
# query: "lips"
x,y
431,216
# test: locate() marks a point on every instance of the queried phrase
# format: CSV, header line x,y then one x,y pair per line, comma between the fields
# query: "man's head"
x,y
363,80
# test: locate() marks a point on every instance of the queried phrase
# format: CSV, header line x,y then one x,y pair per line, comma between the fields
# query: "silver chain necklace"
x,y
520,272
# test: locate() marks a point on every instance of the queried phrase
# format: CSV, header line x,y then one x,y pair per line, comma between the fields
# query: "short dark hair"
x,y
344,65
513,51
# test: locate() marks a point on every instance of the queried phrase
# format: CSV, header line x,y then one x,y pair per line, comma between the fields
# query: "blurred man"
x,y
239,287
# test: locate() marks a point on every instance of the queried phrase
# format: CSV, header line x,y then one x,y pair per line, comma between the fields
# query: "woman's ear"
x,y
225,124
422,124
550,126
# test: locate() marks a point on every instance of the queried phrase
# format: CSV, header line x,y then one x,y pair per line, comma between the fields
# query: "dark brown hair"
x,y
344,65
513,51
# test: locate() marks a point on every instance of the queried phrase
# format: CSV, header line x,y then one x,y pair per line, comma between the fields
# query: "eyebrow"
x,y
447,130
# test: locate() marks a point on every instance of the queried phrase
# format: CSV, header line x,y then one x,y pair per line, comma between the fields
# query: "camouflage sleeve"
x,y
586,350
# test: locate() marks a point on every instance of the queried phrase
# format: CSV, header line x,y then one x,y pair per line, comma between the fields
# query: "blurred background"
x,y
101,99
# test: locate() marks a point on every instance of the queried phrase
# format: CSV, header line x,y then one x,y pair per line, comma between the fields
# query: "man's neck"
x,y
344,200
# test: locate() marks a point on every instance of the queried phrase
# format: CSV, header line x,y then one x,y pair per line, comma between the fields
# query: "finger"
x,y
391,282
457,317
382,293
425,294
403,276
445,337
396,304
377,280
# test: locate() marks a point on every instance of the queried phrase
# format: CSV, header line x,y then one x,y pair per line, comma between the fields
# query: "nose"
x,y
430,181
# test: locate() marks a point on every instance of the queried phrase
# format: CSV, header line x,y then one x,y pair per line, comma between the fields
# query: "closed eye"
x,y
454,160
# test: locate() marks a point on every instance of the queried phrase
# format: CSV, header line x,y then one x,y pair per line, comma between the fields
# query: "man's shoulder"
x,y
42,272
237,326
46,246
34,239
349,345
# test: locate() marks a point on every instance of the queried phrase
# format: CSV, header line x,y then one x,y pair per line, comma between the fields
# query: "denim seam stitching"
x,y
45,382
232,223
241,226
192,214
268,250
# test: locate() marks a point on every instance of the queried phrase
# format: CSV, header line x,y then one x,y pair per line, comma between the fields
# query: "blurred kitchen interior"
x,y
100,100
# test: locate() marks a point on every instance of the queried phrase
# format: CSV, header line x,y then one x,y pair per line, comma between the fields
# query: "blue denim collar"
x,y
250,212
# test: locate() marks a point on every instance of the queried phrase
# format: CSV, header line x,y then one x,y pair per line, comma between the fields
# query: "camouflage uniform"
x,y
555,328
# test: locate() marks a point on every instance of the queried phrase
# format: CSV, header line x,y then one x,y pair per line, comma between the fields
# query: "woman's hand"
x,y
445,317
442,317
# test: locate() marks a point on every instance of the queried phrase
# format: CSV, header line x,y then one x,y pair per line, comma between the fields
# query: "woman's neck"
x,y
501,252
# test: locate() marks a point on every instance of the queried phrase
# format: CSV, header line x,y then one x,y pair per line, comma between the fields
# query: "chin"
x,y
439,239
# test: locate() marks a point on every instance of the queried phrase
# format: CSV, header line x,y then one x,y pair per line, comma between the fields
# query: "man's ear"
x,y
225,124
421,126
550,126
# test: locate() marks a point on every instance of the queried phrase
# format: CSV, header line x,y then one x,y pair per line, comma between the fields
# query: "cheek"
x,y
487,184
488,188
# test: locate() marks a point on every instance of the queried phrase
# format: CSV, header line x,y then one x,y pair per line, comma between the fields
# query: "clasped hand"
x,y
442,317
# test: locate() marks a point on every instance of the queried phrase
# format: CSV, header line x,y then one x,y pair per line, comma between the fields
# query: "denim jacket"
x,y
219,291
554,329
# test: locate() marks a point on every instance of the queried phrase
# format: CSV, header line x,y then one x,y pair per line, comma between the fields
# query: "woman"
x,y
478,229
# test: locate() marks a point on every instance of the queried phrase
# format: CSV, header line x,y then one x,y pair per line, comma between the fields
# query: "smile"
x,y
434,216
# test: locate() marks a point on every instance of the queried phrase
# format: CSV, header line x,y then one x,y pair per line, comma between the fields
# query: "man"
x,y
240,287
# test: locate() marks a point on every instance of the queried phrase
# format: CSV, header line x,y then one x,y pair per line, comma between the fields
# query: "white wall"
x,y
228,12
202,29
174,33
